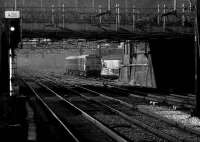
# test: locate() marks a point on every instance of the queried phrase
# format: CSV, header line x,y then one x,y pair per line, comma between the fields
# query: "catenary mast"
x,y
197,58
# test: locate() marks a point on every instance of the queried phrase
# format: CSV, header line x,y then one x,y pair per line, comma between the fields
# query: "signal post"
x,y
13,37
12,103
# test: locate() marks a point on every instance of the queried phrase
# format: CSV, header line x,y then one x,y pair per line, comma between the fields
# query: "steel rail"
x,y
52,113
131,106
123,103
130,119
108,131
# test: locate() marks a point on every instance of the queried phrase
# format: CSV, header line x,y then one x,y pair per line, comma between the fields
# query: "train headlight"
x,y
12,29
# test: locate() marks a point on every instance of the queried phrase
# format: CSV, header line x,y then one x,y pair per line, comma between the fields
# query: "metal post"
x,y
126,8
197,59
93,5
4,61
116,17
10,72
10,67
21,25
190,8
183,14
109,5
63,11
99,47
148,64
100,17
23,3
15,4
174,5
135,68
80,47
41,8
134,18
151,70
52,14
129,60
76,5
164,18
158,16
41,4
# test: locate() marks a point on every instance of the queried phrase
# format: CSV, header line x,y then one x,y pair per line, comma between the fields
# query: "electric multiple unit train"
x,y
92,66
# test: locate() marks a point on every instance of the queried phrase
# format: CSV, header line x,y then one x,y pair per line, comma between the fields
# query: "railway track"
x,y
123,106
175,101
109,118
77,124
126,111
39,103
184,102
161,99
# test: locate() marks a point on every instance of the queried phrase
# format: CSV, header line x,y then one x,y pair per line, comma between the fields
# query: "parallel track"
x,y
119,106
115,106
186,102
67,115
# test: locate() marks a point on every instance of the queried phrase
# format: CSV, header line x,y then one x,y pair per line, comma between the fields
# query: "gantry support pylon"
x,y
197,59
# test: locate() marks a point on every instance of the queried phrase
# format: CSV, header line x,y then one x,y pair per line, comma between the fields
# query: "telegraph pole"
x,y
41,4
15,4
197,59
93,5
109,5
23,3
174,5
76,4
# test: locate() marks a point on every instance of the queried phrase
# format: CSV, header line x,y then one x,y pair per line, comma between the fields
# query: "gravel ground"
x,y
179,117
153,122
115,122
130,131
